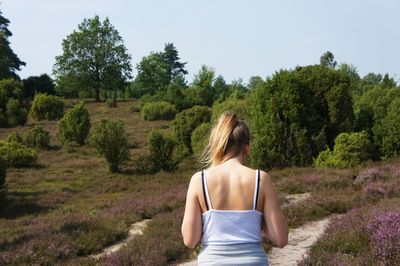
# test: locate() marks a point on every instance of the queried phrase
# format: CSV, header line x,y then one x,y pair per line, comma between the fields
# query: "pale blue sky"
x,y
237,38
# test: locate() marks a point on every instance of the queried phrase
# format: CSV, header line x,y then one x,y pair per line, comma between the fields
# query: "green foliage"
x,y
391,130
328,60
238,106
200,137
12,106
94,58
36,84
37,137
14,136
161,150
350,149
47,107
9,63
186,121
15,113
295,114
75,125
158,111
110,141
157,70
16,154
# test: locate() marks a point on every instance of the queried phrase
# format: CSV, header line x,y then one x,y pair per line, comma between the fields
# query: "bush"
x,y
161,150
37,137
16,154
391,130
47,107
186,121
237,106
350,149
75,125
16,114
14,136
134,109
200,137
158,111
111,141
111,102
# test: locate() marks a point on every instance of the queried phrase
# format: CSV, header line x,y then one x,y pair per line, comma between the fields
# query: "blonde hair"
x,y
228,137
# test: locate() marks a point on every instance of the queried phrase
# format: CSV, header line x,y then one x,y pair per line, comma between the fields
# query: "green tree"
x,y
174,67
9,62
328,60
203,82
391,130
94,58
35,84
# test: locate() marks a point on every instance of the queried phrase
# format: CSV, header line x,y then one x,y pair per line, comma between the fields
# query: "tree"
x,y
171,58
204,83
328,60
9,61
94,58
35,84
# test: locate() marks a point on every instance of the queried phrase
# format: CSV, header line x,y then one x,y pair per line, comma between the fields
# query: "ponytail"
x,y
227,137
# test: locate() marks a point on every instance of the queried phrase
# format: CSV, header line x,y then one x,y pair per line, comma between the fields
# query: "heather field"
x,y
68,206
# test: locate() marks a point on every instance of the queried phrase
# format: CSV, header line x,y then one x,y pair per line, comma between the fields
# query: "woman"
x,y
228,203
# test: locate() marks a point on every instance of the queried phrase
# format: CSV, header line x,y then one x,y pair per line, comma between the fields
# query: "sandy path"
x,y
300,239
134,230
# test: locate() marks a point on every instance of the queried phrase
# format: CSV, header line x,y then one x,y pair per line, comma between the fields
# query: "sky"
x,y
238,38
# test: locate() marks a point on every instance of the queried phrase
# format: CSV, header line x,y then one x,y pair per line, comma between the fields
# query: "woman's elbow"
x,y
280,243
189,242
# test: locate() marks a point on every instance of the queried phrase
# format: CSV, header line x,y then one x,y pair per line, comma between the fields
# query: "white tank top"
x,y
221,227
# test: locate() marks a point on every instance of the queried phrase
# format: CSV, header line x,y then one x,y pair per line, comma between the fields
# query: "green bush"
x,y
47,107
161,150
16,114
238,106
111,102
350,149
134,109
158,111
16,154
391,130
200,137
75,125
186,121
14,136
37,137
111,142
12,106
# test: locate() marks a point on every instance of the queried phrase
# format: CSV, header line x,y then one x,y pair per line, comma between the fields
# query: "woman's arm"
x,y
276,226
192,224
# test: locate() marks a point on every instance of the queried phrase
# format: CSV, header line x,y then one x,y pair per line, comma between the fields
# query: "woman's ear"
x,y
247,149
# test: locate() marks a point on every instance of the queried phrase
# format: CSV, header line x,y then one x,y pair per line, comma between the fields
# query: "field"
x,y
68,206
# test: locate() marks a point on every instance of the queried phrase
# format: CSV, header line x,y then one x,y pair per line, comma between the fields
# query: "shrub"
x,y
158,111
47,107
16,154
16,114
75,125
391,130
14,136
350,149
134,109
111,102
161,150
186,121
111,141
369,174
200,138
37,137
237,106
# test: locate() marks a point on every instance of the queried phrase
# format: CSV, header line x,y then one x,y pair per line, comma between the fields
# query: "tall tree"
x,y
328,60
35,84
9,61
173,66
94,58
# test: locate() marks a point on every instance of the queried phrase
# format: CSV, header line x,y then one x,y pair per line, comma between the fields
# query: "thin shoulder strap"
x,y
205,190
256,189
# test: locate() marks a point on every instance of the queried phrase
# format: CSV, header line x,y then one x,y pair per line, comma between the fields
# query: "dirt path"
x,y
134,230
300,239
